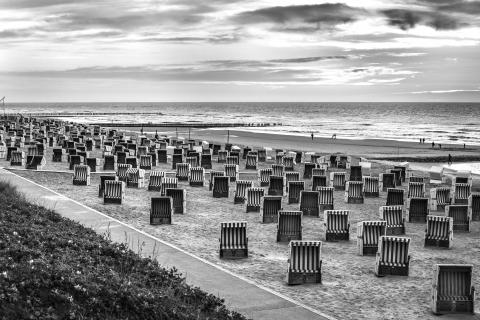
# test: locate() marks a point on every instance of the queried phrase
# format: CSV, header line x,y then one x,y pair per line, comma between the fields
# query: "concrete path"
x,y
240,294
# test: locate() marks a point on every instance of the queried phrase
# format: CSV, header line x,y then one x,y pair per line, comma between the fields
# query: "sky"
x,y
219,50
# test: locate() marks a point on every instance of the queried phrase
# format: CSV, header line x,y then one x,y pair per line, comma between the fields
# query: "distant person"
x,y
440,146
449,159
312,135
433,144
334,136
420,140
464,146
424,140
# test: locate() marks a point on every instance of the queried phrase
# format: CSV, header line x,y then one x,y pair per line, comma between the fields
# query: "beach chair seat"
x,y
309,203
155,181
212,175
393,215
161,210
121,157
109,163
176,159
276,186
241,187
354,192
294,189
305,262
196,177
168,183
460,193
192,161
264,176
254,197
93,163
288,163
368,235
416,190
392,256
262,155
344,161
289,226
122,171
307,169
474,206
75,160
337,225
337,180
146,162
233,240
231,171
222,156
36,162
439,198
135,178
291,176
206,161
403,170
270,206
114,192
387,180
57,155
452,289
179,199
251,163
132,160
417,209
460,215
162,156
355,173
101,186
246,150
141,151
398,176
220,186
395,197
325,198
439,231
182,171
107,150
319,181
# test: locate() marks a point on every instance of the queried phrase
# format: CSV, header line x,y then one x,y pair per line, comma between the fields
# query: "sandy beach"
x,y
349,289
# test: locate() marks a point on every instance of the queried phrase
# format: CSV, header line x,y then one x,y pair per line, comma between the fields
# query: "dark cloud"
x,y
306,17
406,19
470,7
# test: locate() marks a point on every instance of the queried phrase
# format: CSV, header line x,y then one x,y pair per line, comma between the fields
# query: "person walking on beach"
x,y
334,136
449,159
312,135
433,144
439,146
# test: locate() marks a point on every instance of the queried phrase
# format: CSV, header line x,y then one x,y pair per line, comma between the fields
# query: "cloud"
x,y
407,19
445,91
309,59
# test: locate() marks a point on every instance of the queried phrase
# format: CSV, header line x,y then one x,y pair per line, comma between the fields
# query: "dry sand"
x,y
349,289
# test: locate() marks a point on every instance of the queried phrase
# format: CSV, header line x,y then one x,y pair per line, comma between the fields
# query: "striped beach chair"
x,y
168,183
439,231
179,199
279,157
452,289
309,203
307,169
146,162
206,161
337,225
264,176
122,171
192,161
439,198
270,206
254,197
319,181
81,175
355,173
416,179
182,171
241,187
474,206
220,186
155,180
392,256
135,178
319,171
231,171
417,209
251,163
416,190
393,215
291,176
161,210
460,193
32,150
325,198
232,160
305,262
460,215
289,226
212,175
289,163
387,180
278,170
233,240
196,177
294,189
337,180
114,192
395,197
368,235
276,186
371,187
354,192
101,186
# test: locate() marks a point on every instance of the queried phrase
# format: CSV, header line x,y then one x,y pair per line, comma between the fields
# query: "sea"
x,y
452,123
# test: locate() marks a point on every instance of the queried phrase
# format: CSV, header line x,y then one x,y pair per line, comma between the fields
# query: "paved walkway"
x,y
240,294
